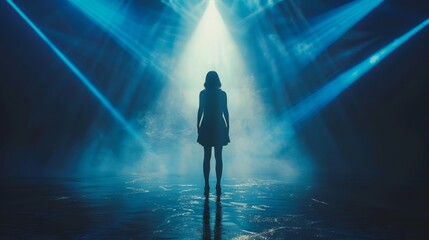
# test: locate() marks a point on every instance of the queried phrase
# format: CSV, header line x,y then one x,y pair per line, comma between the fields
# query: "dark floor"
x,y
147,207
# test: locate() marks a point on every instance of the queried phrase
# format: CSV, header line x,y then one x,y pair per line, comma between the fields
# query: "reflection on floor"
x,y
137,207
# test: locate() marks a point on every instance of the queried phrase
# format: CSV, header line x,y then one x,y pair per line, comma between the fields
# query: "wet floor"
x,y
136,207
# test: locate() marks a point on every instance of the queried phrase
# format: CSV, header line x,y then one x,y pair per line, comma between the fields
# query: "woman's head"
x,y
212,80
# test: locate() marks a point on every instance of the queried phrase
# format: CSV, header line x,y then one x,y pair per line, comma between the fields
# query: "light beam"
x,y
172,123
329,28
319,99
117,116
113,18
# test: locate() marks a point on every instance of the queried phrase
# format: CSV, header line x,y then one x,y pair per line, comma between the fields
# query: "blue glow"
x,y
77,72
112,16
315,102
330,27
185,9
257,8
299,42
212,47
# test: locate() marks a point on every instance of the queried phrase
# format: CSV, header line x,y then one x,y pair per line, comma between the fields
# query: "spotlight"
x,y
113,18
330,27
77,72
319,99
211,47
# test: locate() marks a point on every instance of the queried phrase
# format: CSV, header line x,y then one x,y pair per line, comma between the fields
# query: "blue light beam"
x,y
78,73
329,28
319,99
113,18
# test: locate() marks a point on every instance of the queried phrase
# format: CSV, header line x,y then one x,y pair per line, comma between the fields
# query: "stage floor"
x,y
147,207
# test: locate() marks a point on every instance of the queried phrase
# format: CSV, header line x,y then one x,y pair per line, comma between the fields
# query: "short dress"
x,y
213,130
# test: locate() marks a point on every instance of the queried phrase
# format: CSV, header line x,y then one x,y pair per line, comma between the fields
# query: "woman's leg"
x,y
219,165
206,164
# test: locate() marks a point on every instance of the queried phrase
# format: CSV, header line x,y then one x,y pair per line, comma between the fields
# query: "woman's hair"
x,y
212,80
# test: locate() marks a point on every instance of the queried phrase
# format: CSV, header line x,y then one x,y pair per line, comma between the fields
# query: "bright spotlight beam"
x,y
77,72
319,99
126,32
330,27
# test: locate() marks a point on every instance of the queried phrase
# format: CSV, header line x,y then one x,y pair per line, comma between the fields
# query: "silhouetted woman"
x,y
213,126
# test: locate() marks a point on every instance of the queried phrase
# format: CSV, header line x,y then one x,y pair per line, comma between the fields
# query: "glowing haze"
x,y
170,127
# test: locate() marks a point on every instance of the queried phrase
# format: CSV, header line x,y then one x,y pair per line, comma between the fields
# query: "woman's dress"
x,y
213,129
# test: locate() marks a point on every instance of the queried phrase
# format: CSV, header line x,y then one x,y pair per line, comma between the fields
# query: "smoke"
x,y
261,144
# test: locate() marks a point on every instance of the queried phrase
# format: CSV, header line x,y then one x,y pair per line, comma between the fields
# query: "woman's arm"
x,y
200,111
225,112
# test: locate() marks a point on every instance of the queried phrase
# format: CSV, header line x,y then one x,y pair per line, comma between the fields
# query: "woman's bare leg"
x,y
219,165
206,165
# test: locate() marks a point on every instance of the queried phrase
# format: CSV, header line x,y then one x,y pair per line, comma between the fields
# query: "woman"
x,y
213,126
